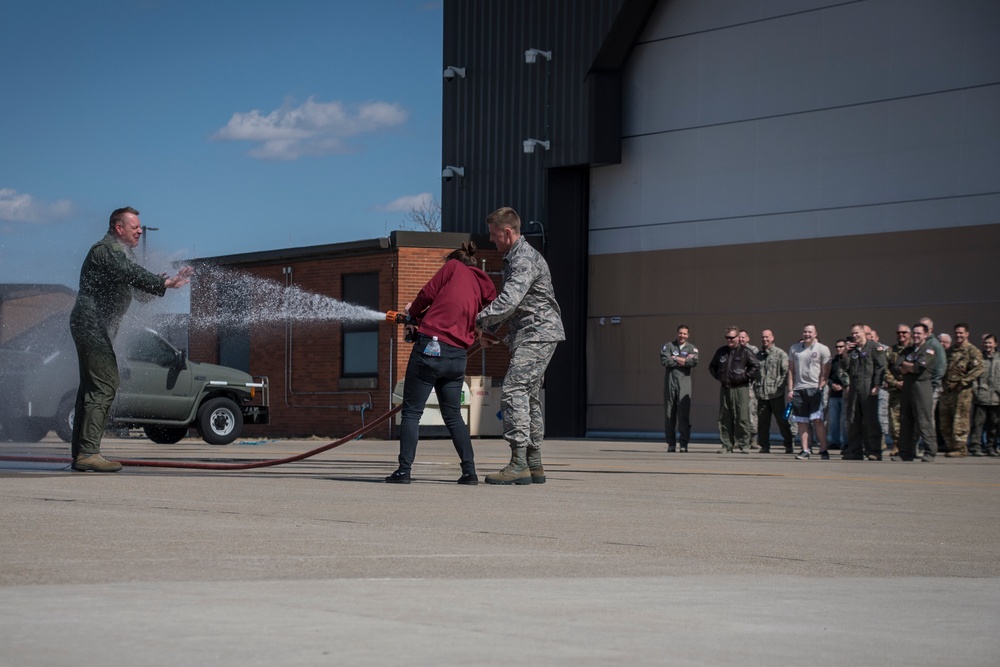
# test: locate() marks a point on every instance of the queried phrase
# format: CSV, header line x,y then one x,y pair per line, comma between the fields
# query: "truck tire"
x,y
219,421
63,425
165,435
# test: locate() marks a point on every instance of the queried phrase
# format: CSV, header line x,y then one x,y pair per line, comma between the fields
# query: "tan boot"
x,y
95,463
515,472
535,465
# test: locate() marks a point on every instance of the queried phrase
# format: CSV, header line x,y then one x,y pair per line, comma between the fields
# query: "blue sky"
x,y
233,126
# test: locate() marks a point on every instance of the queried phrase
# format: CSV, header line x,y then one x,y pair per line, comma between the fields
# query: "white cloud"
x,y
21,207
408,203
314,128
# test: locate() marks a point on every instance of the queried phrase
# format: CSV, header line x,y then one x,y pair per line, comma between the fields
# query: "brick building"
x,y
327,378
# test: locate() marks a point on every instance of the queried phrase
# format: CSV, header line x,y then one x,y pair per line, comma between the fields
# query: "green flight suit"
x,y
107,280
678,360
916,400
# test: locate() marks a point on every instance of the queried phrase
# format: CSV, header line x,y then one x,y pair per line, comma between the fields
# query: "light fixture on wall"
x,y
531,55
451,172
529,145
450,72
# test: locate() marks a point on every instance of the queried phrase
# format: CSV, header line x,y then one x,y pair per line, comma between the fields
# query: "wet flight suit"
x,y
107,280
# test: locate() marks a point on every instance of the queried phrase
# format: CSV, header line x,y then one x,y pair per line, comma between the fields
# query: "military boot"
x,y
535,465
95,463
515,472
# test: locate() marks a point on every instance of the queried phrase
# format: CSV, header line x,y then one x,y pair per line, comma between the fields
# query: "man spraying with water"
x,y
108,280
528,304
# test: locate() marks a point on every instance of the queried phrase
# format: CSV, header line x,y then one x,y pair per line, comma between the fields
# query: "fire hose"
x,y
391,316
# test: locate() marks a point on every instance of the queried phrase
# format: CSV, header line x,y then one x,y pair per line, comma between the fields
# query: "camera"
x,y
450,72
450,172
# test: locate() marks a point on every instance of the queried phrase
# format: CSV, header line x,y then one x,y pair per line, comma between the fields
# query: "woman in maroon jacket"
x,y
446,310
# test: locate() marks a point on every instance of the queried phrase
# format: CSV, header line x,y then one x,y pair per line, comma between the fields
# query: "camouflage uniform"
x,y
894,386
753,402
965,364
769,389
677,392
986,407
916,401
107,282
865,368
527,303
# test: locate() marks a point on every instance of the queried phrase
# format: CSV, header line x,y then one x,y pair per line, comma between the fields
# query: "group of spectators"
x,y
923,395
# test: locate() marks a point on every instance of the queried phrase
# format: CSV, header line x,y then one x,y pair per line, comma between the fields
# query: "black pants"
x,y
772,407
445,375
864,431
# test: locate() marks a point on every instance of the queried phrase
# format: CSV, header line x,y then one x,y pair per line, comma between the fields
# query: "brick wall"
x,y
302,361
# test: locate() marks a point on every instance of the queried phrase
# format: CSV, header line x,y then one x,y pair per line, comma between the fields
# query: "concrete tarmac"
x,y
627,555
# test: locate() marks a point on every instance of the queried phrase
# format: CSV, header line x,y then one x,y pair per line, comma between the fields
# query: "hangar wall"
x,y
785,162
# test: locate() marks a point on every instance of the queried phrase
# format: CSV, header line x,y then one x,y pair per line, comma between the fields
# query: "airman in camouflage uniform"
x,y
986,402
527,303
894,381
109,279
769,389
678,358
745,342
965,364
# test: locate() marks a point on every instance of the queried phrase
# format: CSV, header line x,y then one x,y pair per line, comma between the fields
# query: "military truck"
x,y
161,390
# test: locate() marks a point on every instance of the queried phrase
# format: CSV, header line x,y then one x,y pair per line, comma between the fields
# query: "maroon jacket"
x,y
448,304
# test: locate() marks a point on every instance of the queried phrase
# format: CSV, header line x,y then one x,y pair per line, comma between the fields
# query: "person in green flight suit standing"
x,y
108,278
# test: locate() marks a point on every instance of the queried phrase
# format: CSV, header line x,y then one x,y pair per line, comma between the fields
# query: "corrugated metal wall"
x,y
503,100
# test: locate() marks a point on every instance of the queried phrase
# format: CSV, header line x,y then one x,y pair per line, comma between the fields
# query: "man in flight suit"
x,y
107,280
678,357
866,370
915,364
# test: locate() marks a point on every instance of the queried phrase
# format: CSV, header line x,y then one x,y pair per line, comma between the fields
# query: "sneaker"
x,y
684,449
469,478
803,455
671,449
927,458
95,463
825,455
956,454
724,450
398,477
